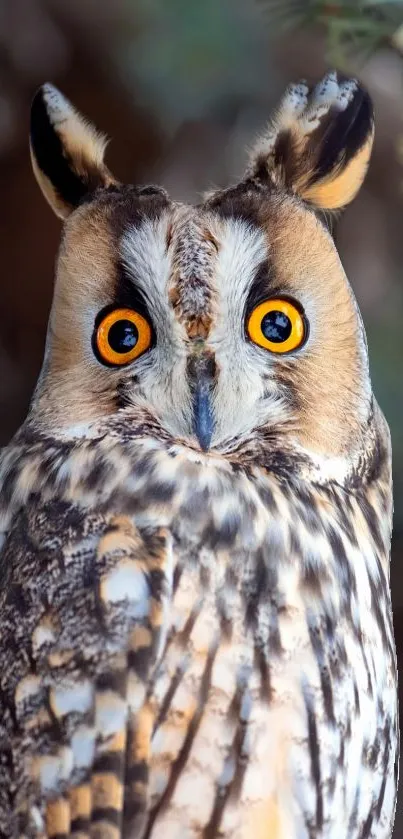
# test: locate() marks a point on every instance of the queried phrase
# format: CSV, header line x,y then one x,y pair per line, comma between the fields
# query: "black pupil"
x,y
123,336
276,326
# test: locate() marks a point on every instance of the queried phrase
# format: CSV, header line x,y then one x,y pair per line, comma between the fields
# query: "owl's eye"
x,y
277,325
122,336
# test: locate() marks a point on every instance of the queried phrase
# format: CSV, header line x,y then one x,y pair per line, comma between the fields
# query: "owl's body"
x,y
195,620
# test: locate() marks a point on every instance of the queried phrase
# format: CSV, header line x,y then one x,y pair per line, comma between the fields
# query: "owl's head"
x,y
228,325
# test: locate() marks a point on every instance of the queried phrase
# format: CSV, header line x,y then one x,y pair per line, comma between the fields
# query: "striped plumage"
x,y
195,622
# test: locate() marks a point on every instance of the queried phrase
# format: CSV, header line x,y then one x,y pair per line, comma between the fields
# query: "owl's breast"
x,y
246,619
273,711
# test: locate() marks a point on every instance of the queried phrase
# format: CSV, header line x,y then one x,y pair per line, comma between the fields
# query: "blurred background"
x,y
182,87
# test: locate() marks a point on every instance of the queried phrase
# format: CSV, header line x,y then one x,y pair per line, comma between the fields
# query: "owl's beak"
x,y
201,371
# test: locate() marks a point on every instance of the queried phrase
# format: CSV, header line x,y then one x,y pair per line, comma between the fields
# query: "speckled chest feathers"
x,y
195,625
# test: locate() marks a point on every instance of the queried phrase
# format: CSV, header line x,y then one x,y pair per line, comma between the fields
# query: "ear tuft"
x,y
319,142
67,151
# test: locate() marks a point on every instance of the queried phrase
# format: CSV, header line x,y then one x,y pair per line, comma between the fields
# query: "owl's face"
x,y
227,325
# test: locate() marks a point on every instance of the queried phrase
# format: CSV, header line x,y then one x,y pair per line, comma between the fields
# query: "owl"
x,y
195,621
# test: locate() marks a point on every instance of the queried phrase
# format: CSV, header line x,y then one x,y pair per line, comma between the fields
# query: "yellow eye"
x,y
277,325
122,336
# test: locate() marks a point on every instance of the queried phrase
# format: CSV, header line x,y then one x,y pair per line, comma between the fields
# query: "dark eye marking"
x,y
127,294
263,285
123,336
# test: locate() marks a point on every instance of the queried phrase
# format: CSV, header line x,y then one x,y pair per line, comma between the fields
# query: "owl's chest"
x,y
266,700
262,677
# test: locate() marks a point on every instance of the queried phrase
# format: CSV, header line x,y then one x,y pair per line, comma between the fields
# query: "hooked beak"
x,y
201,370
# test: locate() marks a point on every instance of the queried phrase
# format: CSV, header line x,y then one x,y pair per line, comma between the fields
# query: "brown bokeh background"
x,y
182,88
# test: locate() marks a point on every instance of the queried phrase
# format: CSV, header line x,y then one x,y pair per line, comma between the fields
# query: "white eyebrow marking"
x,y
145,256
242,250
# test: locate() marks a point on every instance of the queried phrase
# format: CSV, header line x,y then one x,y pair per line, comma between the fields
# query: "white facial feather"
x,y
239,403
144,254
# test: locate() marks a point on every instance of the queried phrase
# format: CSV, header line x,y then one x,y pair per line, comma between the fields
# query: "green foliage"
x,y
354,28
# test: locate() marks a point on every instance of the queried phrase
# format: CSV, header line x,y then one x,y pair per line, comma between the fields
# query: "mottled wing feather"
x,y
88,593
